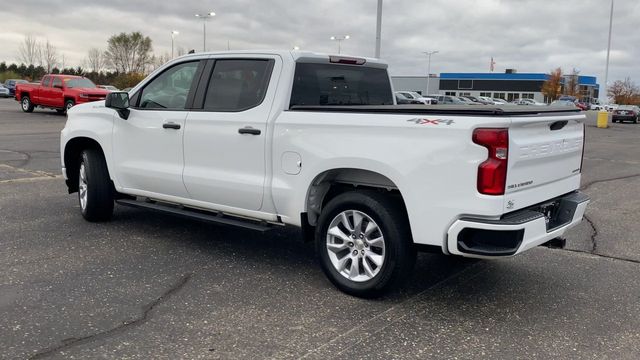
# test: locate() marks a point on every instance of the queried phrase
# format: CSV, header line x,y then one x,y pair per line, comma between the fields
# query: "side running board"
x,y
218,218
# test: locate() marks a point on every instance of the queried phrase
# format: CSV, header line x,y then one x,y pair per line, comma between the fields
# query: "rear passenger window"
x,y
328,84
237,84
57,82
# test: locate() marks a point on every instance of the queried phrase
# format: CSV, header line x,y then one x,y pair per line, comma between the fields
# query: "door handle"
x,y
171,125
249,130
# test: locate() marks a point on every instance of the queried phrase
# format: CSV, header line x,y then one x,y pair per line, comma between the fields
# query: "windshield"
x,y
79,83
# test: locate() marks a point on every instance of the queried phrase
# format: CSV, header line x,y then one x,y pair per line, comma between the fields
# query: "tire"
x,y
68,105
26,104
379,265
95,194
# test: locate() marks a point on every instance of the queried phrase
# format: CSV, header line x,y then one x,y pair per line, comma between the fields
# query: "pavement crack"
x,y
594,234
139,320
589,184
633,261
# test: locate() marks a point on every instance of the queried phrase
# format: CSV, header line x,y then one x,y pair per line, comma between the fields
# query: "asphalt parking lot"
x,y
152,286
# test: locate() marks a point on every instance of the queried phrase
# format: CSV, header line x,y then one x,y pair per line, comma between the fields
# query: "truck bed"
x,y
480,110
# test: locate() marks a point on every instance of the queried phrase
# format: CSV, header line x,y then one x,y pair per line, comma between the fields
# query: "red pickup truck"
x,y
59,92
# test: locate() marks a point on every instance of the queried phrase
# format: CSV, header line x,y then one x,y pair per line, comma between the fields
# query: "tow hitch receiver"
x,y
557,243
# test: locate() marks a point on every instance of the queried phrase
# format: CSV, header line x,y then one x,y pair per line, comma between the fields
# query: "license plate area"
x,y
559,212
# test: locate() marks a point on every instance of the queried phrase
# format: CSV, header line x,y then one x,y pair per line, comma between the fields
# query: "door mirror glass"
x,y
117,100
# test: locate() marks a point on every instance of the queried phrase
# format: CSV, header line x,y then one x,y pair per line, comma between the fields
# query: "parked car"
x,y
108,87
469,98
499,101
4,92
425,100
467,101
582,105
596,107
528,102
568,103
486,100
11,85
611,107
370,184
403,100
477,100
447,100
626,113
59,92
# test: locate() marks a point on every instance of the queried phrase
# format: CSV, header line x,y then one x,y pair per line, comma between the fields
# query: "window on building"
x,y
465,84
450,93
527,95
499,95
485,94
465,94
512,96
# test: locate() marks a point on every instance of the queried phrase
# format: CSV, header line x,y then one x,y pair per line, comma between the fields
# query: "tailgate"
x,y
544,150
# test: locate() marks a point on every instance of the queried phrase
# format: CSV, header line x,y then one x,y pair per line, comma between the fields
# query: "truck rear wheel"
x,y
364,244
95,194
26,104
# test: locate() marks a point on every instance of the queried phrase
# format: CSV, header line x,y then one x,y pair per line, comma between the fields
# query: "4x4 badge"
x,y
423,121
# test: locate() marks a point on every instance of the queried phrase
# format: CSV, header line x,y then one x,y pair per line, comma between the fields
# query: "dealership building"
x,y
509,85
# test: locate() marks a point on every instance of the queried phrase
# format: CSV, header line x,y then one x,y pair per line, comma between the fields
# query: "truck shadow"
x,y
280,252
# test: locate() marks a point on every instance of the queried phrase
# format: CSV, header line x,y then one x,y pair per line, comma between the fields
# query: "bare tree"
x,y
624,92
572,83
160,60
96,60
49,55
129,52
30,52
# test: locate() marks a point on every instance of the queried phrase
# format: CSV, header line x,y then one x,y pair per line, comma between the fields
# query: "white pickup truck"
x,y
270,138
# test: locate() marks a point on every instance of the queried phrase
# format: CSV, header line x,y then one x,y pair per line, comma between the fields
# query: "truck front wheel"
x,y
363,243
26,104
95,194
68,105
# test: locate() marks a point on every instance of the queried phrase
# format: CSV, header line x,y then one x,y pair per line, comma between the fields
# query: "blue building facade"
x,y
511,86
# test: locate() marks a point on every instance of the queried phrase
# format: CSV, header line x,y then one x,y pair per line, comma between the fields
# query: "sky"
x,y
527,35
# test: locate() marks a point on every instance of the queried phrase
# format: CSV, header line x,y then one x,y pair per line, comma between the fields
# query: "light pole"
x,y
429,53
378,29
173,35
204,18
606,71
339,39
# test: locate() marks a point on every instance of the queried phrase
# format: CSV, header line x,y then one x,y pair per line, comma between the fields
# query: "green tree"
x,y
129,53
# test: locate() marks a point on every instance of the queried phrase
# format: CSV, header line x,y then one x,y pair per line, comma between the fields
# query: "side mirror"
x,y
119,101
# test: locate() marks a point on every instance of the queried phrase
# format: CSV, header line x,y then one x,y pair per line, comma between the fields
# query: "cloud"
x,y
528,35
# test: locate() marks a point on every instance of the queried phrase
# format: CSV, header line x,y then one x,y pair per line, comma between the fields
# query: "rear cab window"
x,y
317,84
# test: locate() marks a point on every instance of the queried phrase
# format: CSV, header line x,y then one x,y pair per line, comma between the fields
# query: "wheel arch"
x,y
332,182
72,150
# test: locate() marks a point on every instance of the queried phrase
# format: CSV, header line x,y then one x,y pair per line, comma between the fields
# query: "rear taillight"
x,y
492,173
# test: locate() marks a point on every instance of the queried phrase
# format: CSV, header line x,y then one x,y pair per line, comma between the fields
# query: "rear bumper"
x,y
518,231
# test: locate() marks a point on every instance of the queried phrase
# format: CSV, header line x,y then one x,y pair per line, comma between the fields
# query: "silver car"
x,y
4,92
